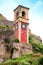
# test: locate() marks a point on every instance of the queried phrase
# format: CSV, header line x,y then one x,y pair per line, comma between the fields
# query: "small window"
x,y
17,14
23,26
23,13
16,26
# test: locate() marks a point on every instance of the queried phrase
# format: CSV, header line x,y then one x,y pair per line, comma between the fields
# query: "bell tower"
x,y
21,28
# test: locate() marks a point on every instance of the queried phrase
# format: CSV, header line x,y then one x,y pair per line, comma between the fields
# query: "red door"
x,y
24,36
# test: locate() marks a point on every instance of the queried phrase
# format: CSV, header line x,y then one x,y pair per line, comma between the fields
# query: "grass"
x,y
28,59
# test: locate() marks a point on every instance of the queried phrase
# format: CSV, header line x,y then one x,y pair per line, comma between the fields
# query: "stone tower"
x,y
21,28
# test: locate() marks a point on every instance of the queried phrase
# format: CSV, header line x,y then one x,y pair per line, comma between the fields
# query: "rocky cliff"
x,y
13,50
10,49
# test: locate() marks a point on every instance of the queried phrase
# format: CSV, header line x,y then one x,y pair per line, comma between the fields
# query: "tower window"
x,y
23,26
23,13
17,14
16,26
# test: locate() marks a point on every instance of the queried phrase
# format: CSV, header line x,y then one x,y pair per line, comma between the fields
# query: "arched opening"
x,y
23,13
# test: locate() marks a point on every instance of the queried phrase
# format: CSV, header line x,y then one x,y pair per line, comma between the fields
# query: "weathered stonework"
x,y
21,49
2,51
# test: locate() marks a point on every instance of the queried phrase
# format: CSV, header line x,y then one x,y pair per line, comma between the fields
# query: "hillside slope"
x,y
2,17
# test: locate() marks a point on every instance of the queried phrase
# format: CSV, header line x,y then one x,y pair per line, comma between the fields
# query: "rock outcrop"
x,y
21,49
2,51
4,21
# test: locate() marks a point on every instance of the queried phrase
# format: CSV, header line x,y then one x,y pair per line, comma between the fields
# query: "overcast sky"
x,y
35,13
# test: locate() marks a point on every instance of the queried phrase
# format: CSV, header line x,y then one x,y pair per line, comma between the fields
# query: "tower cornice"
x,y
22,7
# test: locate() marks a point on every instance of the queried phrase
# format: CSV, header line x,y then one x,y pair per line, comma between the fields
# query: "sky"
x,y
35,13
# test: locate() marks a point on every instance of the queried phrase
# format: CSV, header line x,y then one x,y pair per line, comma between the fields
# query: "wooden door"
x,y
24,36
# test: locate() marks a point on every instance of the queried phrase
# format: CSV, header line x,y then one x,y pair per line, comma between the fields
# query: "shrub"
x,y
7,40
41,61
2,27
7,26
32,40
24,63
16,40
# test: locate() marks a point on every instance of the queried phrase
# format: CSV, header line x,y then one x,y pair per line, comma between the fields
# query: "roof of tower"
x,y
2,17
21,6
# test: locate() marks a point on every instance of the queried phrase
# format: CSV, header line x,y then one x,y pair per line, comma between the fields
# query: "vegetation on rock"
x,y
24,60
16,40
7,40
